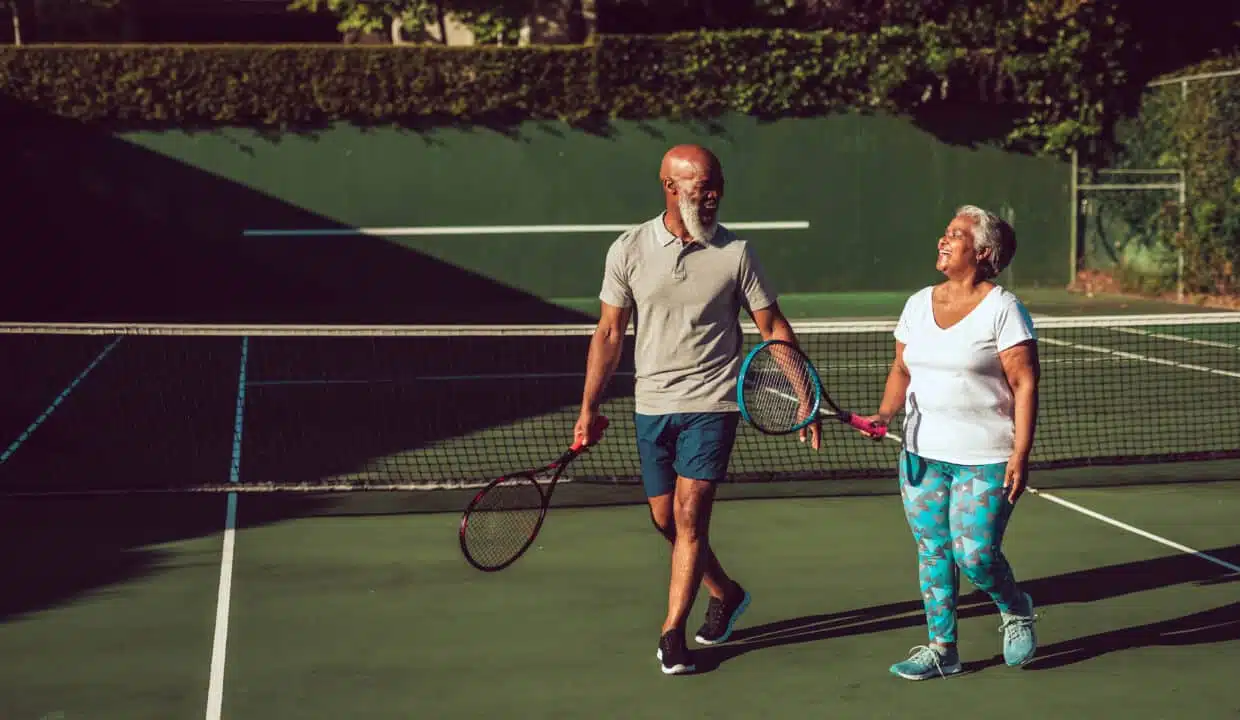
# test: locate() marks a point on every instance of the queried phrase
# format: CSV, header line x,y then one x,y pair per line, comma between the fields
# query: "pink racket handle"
x,y
600,424
866,426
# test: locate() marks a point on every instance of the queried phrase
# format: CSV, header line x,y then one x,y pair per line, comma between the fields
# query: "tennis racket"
x,y
502,520
780,392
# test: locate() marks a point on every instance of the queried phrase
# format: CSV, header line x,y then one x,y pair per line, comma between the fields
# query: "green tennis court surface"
x,y
359,605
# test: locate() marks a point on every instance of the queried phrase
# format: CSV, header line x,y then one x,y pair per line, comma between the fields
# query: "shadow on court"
x,y
108,231
63,549
1217,625
103,230
1221,624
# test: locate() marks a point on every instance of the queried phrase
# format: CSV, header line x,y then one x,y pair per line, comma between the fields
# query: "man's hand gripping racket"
x,y
780,392
502,520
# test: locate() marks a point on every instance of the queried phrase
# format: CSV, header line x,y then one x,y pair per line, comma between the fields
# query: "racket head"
x,y
502,521
779,390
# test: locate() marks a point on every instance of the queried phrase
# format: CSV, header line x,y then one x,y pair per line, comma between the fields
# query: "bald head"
x,y
686,161
692,179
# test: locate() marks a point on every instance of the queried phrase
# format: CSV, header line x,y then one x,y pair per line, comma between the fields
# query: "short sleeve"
x,y
616,289
904,326
755,289
1013,324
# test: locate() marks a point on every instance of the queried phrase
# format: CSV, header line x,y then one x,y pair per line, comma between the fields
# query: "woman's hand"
x,y
1017,476
876,419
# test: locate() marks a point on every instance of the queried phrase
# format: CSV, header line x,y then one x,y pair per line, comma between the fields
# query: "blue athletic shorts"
x,y
696,446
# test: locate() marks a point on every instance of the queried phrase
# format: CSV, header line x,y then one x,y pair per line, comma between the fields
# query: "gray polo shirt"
x,y
686,301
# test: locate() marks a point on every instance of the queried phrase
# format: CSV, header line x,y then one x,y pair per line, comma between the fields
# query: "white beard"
x,y
701,234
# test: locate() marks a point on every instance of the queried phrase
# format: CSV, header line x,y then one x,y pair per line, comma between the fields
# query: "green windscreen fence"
x,y
844,203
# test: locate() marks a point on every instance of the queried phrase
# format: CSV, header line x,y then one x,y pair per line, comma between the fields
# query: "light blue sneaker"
x,y
927,662
1020,641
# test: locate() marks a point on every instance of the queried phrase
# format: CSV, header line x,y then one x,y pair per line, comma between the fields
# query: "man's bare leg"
x,y
714,577
692,504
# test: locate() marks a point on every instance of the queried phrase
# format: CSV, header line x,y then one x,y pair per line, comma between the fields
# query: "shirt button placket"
x,y
678,270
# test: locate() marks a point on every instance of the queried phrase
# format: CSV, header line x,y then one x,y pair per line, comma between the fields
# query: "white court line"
x,y
43,416
1095,515
1176,338
215,691
1122,526
1138,356
1135,530
430,378
440,230
219,647
884,366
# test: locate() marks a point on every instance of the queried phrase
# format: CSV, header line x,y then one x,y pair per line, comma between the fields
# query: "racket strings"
x,y
503,521
779,388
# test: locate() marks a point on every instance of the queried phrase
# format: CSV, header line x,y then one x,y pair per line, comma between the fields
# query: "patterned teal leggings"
x,y
957,514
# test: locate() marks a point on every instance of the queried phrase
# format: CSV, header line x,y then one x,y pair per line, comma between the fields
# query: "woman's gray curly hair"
x,y
991,232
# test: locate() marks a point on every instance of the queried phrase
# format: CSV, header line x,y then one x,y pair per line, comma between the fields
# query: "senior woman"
x,y
966,374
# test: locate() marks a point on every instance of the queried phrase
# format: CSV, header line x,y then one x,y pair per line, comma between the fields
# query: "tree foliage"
x,y
65,20
492,21
1197,131
372,16
768,73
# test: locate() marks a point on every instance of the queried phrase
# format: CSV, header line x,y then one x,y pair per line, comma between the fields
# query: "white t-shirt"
x,y
959,407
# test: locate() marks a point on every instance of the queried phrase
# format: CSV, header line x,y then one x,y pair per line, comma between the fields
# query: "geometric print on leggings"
x,y
958,515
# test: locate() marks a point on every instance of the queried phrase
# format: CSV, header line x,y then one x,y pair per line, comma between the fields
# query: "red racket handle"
x,y
866,426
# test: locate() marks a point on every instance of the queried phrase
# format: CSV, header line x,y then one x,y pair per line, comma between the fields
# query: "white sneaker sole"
x,y
944,671
674,669
727,634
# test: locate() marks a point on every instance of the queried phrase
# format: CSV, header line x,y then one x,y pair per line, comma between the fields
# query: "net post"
x,y
1073,250
1008,213
1179,279
1179,292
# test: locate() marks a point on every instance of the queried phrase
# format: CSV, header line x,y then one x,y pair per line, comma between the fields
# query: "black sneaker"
x,y
673,653
721,617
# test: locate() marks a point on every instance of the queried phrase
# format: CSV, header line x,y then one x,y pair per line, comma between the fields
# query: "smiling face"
x,y
957,256
693,183
698,198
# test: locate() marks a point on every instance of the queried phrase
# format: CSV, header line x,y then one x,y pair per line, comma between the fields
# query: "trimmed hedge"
x,y
1050,91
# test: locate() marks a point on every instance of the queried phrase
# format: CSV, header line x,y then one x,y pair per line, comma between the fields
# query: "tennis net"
x,y
181,407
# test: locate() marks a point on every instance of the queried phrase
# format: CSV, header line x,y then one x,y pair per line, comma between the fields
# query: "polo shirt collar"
x,y
665,236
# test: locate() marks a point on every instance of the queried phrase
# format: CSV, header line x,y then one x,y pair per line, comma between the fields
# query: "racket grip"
x,y
600,424
866,426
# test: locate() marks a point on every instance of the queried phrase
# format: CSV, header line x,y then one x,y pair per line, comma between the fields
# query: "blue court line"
x,y
426,378
235,472
270,383
56,403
